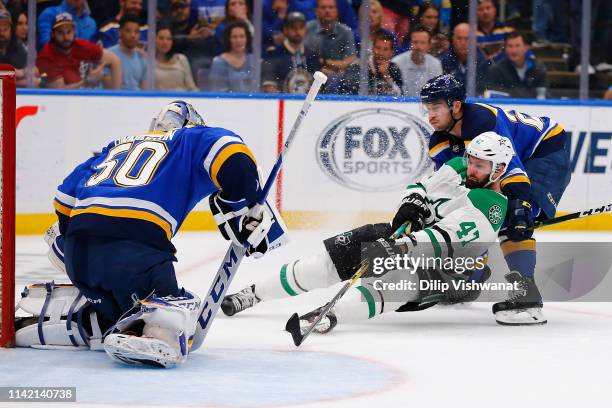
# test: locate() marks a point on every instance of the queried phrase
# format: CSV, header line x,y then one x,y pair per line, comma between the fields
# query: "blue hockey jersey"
x,y
531,136
142,187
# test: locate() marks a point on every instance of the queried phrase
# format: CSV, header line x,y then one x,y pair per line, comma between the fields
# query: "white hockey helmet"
x,y
176,114
492,147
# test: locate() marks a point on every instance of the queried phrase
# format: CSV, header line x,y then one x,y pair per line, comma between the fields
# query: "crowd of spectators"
x,y
208,44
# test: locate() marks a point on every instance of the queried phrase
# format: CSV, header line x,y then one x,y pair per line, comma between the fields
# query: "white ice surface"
x,y
452,357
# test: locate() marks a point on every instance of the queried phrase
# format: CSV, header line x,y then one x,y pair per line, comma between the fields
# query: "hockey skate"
x,y
240,301
524,305
326,325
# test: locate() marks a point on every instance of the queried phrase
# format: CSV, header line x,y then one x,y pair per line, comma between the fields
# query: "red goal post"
x,y
7,206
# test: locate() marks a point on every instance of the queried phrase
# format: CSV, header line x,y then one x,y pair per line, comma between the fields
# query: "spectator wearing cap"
x,y
11,51
491,32
520,75
109,31
196,42
274,14
68,62
332,41
290,65
133,64
417,65
455,60
86,26
384,76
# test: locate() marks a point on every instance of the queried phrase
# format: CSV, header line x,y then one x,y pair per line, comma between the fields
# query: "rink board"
x,y
348,164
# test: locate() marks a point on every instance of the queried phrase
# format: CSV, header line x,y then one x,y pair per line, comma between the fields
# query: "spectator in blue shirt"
x,y
109,31
86,27
232,71
491,32
274,14
133,64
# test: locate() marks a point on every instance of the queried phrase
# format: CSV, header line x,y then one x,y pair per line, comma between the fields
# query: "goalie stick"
x,y
293,324
235,253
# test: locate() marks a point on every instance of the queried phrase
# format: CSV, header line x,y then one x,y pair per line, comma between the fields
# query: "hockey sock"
x,y
365,302
303,275
520,256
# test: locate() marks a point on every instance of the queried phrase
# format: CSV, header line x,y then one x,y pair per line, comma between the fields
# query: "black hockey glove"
x,y
384,255
413,209
520,220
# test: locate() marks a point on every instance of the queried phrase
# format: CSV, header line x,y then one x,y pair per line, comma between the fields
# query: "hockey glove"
x,y
255,226
520,220
385,255
413,209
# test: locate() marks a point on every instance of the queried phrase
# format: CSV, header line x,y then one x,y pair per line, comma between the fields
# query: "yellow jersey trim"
x,y
554,132
127,213
62,209
225,154
510,247
516,179
434,151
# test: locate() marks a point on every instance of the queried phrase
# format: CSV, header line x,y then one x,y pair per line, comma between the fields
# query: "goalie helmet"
x,y
492,147
177,114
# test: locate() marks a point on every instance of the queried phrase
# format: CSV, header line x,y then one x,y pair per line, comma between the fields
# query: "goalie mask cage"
x,y
7,206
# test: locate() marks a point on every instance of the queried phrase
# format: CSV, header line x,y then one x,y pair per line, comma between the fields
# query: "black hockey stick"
x,y
293,324
573,216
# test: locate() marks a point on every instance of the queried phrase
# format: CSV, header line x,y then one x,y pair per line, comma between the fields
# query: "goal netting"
x,y
7,205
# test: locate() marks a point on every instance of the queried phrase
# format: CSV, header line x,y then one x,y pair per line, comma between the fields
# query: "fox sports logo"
x,y
375,149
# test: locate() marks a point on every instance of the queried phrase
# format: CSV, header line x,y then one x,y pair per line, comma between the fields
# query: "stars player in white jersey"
x,y
454,213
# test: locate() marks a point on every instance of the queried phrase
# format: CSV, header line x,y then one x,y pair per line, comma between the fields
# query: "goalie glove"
x,y
240,224
412,209
255,227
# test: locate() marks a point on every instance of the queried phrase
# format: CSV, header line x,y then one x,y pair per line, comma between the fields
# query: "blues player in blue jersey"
x,y
534,181
118,212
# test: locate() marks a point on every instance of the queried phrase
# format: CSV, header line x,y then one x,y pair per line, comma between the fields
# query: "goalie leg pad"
x,y
54,239
167,335
56,319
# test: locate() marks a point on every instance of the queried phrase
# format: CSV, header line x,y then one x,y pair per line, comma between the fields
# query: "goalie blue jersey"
x,y
531,136
143,187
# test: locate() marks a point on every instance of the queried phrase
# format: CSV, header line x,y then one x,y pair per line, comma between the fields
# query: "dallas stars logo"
x,y
495,214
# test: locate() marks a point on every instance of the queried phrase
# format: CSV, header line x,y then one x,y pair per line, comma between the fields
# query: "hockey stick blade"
x,y
293,327
294,320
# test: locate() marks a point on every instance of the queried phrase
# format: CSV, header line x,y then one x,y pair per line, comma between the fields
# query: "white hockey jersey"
x,y
464,222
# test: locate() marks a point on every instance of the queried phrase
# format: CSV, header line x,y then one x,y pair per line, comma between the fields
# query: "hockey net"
x,y
7,205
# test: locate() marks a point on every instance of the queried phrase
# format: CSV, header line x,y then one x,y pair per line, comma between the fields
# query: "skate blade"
x,y
521,317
